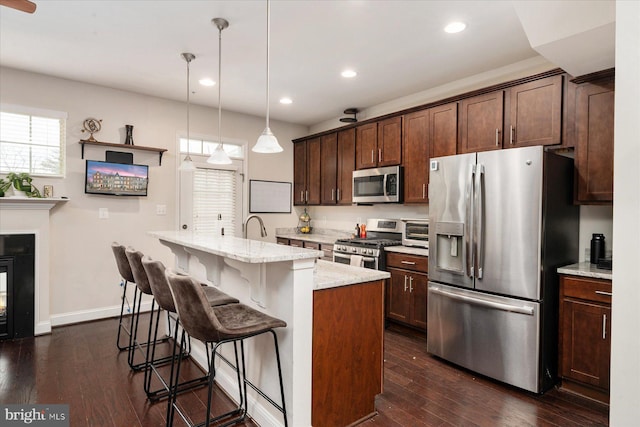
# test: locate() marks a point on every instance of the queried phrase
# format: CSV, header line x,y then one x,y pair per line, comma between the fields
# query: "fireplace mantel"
x,y
30,202
32,216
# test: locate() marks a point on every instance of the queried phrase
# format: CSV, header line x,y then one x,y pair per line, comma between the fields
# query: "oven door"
x,y
367,262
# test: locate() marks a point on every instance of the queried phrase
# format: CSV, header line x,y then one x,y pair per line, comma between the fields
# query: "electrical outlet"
x,y
359,220
161,209
103,213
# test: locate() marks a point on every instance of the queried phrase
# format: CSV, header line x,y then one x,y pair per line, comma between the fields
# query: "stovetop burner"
x,y
369,242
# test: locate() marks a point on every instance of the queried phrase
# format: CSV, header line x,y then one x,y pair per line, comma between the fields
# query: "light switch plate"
x,y
103,213
161,209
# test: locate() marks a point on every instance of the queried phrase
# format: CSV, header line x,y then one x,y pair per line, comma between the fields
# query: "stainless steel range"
x,y
369,252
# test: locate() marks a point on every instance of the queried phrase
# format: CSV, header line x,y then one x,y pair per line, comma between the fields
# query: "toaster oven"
x,y
415,232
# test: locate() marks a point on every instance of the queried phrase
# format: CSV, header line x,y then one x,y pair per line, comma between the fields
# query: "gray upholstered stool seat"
x,y
218,325
155,272
127,277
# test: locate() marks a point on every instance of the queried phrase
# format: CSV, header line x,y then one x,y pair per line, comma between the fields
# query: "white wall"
x,y
625,316
83,274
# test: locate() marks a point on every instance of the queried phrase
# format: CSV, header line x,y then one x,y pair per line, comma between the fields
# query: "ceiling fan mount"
x,y
22,5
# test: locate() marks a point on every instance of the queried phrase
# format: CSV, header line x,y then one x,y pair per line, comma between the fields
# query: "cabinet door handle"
x,y
332,194
379,154
306,197
424,191
338,195
604,326
372,159
407,262
405,283
497,137
302,196
604,293
410,283
511,129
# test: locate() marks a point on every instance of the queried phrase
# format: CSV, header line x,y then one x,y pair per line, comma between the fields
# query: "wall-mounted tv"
x,y
116,179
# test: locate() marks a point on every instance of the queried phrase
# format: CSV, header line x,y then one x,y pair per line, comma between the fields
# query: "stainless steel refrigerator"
x,y
501,223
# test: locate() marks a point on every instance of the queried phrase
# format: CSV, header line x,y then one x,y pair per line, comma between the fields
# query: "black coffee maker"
x,y
597,247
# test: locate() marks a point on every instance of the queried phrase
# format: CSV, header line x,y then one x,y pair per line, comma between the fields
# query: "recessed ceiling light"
x,y
349,74
455,27
286,100
206,82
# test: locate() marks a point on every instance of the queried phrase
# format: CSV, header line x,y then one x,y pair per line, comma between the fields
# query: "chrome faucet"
x,y
263,231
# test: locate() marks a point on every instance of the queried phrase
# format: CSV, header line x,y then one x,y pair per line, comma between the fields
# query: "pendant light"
x,y
219,156
267,142
187,163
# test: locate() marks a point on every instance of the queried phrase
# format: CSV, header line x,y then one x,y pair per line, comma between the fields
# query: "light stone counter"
x,y
586,269
332,274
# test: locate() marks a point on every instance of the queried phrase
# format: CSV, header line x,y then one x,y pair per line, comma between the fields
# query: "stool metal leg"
x,y
121,325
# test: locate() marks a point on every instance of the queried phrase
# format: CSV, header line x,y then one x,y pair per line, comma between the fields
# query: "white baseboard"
x,y
42,328
88,315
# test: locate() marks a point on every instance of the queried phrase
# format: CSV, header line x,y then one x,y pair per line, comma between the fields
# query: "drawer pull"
x,y
407,262
604,293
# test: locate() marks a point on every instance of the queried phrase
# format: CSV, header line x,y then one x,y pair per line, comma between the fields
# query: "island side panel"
x,y
348,331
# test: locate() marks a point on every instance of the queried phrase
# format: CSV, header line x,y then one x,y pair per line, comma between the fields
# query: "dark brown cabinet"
x,y
406,296
534,113
594,123
337,151
328,168
306,172
427,133
481,120
379,144
585,335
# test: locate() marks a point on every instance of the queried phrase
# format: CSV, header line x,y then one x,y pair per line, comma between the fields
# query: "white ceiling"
x,y
397,47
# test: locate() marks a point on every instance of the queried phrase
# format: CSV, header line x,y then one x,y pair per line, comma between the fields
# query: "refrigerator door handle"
x,y
479,218
469,271
529,311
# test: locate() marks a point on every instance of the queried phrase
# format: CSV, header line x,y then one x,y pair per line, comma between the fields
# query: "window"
x,y
204,147
214,201
32,141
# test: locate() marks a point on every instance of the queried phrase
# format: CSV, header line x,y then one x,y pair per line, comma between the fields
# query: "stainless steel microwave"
x,y
378,185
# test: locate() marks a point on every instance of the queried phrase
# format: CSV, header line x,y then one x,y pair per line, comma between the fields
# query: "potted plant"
x,y
21,183
4,186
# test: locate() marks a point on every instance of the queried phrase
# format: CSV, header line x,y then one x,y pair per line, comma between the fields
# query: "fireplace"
x,y
17,285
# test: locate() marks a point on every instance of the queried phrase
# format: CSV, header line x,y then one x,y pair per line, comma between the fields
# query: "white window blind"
x,y
32,141
214,201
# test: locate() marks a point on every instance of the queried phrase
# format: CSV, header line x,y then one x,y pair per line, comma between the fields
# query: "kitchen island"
x,y
331,349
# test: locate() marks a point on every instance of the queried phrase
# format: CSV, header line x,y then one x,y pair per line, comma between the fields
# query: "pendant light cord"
x,y
220,85
188,108
268,48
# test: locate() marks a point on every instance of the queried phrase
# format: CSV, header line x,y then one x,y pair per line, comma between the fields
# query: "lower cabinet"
x,y
406,295
327,248
585,336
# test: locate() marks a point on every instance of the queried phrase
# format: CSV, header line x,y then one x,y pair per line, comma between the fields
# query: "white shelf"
x,y
16,203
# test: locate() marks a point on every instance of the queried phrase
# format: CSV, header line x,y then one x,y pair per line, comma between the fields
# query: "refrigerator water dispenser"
x,y
449,249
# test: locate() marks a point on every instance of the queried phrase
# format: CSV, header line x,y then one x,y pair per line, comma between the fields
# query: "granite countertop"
x,y
411,250
586,269
332,274
244,250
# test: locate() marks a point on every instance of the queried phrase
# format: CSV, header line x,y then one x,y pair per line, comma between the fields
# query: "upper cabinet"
x,y
481,122
379,144
328,168
426,134
306,172
523,115
593,117
534,113
346,165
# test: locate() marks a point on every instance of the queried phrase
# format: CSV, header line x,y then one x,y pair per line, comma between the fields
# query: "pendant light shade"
x,y
267,142
219,156
187,163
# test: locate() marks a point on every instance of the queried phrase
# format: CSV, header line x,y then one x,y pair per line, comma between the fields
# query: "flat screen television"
x,y
116,179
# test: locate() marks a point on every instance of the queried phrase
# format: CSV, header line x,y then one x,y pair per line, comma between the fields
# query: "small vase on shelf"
x,y
129,135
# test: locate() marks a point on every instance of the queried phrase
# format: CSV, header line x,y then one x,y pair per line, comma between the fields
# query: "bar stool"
x,y
127,277
142,284
155,272
216,326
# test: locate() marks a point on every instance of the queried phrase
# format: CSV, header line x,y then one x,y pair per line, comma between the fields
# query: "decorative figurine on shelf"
x,y
304,223
92,126
129,137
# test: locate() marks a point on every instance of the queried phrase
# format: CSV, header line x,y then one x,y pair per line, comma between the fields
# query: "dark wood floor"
x,y
80,365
